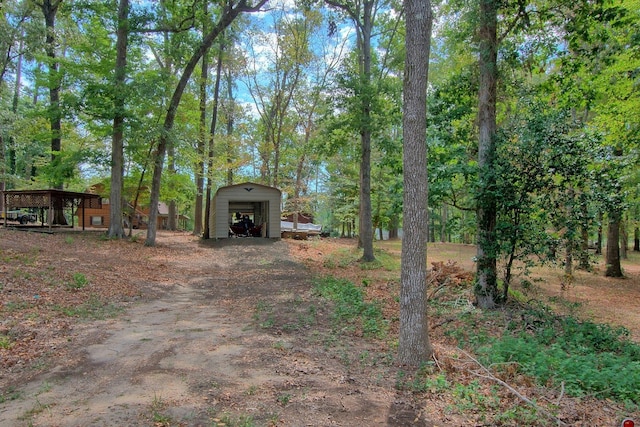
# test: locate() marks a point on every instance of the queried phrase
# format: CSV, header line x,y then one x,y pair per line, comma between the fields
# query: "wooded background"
x,y
532,127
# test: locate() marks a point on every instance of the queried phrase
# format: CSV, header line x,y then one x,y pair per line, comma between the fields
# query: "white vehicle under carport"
x,y
20,216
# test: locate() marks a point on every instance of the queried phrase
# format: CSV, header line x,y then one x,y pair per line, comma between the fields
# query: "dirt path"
x,y
193,353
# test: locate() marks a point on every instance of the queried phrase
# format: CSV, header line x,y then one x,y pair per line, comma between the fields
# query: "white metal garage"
x,y
235,204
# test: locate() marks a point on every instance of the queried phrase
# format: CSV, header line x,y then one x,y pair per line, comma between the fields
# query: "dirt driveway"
x,y
198,347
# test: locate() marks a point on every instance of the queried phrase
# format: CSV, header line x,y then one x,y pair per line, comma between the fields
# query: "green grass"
x,y
342,258
5,342
384,260
94,308
10,394
231,421
263,315
78,281
350,309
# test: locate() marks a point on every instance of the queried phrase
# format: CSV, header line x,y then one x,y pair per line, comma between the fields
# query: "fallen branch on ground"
x,y
488,375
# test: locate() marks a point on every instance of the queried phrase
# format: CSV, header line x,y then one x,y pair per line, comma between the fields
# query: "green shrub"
x,y
588,358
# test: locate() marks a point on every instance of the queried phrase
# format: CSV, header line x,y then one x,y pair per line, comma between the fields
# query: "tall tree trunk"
x,y
414,347
230,116
116,229
202,138
8,153
9,156
202,134
297,190
50,10
362,16
366,220
599,239
212,132
3,172
227,17
486,276
636,239
613,267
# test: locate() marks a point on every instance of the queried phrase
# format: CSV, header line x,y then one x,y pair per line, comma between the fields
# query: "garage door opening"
x,y
248,219
246,210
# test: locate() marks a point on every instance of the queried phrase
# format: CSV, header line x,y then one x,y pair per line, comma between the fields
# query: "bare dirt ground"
x,y
112,333
186,350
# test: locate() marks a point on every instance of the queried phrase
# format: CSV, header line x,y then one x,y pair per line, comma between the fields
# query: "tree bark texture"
x,y
202,138
116,229
624,239
584,249
599,239
414,347
50,10
613,267
486,276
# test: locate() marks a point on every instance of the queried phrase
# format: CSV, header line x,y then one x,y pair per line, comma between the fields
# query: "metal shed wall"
x,y
247,192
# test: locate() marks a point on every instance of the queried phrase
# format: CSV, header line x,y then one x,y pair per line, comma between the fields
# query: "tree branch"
x,y
488,375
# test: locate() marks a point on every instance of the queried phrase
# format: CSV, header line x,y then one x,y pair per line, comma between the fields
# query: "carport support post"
x,y
50,213
84,202
6,212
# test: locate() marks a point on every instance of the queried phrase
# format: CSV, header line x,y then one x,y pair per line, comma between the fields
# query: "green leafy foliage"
x,y
350,307
588,358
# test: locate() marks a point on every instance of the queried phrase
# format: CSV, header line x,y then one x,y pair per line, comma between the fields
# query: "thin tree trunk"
x,y
202,139
366,221
228,16
212,132
599,240
3,172
230,127
414,347
116,229
297,190
8,154
443,223
636,239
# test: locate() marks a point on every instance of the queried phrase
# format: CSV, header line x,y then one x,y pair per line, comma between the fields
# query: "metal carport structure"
x,y
50,200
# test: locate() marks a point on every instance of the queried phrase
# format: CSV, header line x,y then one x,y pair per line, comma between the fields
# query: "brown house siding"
x,y
89,213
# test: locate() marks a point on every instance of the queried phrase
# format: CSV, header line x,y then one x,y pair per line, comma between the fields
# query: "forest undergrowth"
x,y
522,364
